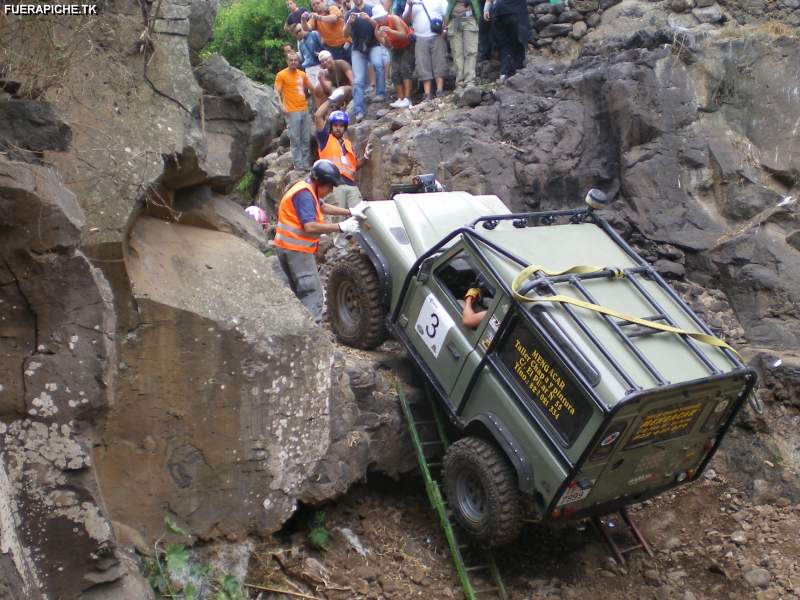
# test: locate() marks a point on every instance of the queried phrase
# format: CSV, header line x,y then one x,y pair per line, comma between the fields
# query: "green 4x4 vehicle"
x,y
588,384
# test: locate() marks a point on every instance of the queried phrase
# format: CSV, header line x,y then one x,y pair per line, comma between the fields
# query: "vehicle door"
x,y
434,327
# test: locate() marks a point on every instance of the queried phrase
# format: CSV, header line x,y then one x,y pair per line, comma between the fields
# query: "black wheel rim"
x,y
348,307
471,498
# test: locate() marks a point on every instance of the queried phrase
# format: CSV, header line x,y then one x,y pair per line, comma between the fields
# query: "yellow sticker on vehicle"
x,y
666,424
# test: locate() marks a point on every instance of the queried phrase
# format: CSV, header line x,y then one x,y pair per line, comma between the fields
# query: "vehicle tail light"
x,y
556,513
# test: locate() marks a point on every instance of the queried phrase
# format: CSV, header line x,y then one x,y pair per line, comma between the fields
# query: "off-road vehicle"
x,y
587,386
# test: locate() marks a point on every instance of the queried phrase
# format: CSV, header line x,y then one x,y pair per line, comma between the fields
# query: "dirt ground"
x,y
710,540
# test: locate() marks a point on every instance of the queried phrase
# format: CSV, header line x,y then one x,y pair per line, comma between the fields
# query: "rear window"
x,y
542,383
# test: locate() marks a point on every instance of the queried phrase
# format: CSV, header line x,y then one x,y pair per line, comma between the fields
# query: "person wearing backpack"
x,y
429,21
393,33
462,35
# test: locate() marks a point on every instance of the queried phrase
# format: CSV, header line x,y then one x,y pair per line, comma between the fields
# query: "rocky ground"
x,y
730,534
712,539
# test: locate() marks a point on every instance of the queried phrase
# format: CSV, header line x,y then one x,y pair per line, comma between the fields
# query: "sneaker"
x,y
401,103
427,97
502,79
380,98
440,94
359,117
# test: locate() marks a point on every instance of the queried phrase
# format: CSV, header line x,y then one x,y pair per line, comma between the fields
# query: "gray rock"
x,y
593,19
606,4
200,207
652,577
542,9
711,14
32,125
39,211
244,332
739,537
544,21
705,3
585,6
681,5
672,543
757,577
201,26
670,269
579,30
242,114
793,239
58,361
569,16
556,30
470,96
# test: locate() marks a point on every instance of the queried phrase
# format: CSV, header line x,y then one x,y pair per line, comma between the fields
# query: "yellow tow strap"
x,y
583,269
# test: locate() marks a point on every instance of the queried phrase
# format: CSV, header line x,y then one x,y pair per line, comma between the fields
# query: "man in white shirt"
x,y
429,21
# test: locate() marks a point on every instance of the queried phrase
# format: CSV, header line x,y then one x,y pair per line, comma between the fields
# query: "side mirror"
x,y
596,199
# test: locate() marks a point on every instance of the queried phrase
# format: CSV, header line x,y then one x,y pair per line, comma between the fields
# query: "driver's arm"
x,y
470,317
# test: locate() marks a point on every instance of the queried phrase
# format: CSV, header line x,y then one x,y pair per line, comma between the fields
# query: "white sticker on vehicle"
x,y
432,325
574,494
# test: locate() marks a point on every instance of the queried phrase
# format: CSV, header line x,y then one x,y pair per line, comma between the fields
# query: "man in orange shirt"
x,y
329,22
291,85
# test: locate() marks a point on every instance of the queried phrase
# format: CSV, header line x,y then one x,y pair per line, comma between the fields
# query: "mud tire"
x,y
356,311
482,491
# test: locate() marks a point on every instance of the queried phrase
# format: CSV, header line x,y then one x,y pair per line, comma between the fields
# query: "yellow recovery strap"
x,y
583,269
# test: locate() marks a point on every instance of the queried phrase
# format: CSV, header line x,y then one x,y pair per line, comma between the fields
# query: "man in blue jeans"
x,y
365,50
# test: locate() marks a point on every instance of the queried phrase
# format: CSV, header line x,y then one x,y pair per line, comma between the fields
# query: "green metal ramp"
x,y
476,567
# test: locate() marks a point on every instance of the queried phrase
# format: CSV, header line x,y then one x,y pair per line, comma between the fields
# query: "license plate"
x,y
573,494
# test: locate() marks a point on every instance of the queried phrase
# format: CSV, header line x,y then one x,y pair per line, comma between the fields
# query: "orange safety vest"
x,y
344,158
289,233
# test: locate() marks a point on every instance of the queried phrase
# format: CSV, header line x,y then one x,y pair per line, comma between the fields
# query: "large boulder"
x,y
58,362
223,409
234,103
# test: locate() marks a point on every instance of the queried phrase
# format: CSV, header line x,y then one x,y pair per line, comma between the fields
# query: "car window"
x,y
542,383
459,274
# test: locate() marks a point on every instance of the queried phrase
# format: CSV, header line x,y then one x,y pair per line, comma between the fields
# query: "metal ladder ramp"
x,y
606,530
476,567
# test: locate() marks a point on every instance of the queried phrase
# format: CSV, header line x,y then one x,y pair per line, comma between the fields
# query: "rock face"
x,y
58,358
224,421
697,147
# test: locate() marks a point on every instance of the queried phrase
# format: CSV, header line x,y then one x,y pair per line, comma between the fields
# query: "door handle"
x,y
451,348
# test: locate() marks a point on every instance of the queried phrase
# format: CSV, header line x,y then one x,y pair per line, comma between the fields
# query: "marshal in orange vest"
x,y
289,233
342,155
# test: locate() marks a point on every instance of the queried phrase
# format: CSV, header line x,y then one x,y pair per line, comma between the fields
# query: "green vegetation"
x,y
172,574
249,34
243,187
319,537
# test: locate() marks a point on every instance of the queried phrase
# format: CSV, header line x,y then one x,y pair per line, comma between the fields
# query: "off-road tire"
x,y
355,305
482,491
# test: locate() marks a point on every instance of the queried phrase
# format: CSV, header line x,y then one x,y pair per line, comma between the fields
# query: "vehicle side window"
x,y
459,275
541,382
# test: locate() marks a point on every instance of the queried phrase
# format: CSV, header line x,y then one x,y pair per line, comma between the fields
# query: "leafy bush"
x,y
249,34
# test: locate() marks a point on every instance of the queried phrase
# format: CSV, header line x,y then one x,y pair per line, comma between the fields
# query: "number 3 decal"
x,y
432,324
430,328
